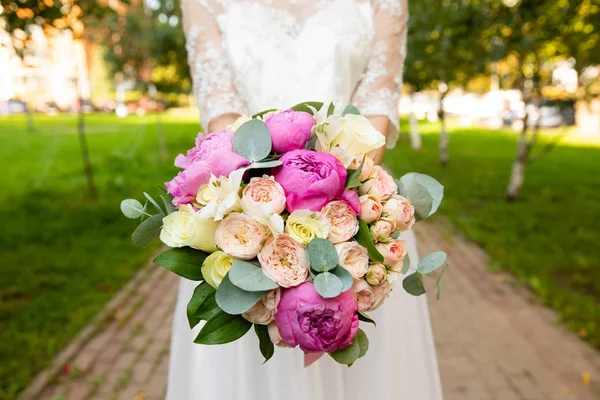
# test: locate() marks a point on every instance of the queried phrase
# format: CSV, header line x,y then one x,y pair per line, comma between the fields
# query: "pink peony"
x,y
342,222
290,130
310,179
284,261
316,324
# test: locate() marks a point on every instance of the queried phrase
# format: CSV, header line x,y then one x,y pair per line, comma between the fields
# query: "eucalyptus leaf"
x,y
424,193
168,205
405,265
350,109
252,140
267,349
365,318
328,285
147,231
132,208
363,342
154,203
322,255
234,300
265,164
344,276
304,106
249,277
413,285
431,262
184,261
366,240
396,235
223,328
353,181
201,293
348,354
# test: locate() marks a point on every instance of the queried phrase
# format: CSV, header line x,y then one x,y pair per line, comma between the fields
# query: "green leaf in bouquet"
x,y
223,328
305,106
348,355
363,342
252,140
328,285
439,284
424,192
201,293
265,164
405,265
154,203
413,284
234,300
431,262
168,205
352,180
147,231
267,349
330,109
365,318
208,309
322,255
364,238
262,113
184,261
247,276
350,109
396,235
132,208
344,276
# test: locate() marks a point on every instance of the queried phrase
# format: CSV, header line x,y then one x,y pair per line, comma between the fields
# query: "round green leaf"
x,y
344,276
147,231
431,262
350,109
365,318
234,300
131,208
328,285
252,140
249,277
348,354
322,255
424,192
184,261
223,328
363,342
413,285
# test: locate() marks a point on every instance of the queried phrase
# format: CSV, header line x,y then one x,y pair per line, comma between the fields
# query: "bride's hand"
x,y
222,122
382,124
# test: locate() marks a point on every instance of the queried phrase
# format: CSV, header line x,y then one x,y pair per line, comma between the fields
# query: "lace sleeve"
x,y
379,90
212,78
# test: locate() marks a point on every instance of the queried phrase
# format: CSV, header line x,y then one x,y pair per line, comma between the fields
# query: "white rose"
x,y
186,228
215,267
304,226
353,133
353,257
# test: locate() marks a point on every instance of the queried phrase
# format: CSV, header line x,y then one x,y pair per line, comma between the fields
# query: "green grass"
x,y
63,255
549,238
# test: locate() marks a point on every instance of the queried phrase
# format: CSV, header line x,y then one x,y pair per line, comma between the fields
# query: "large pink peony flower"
x,y
290,130
310,179
213,154
316,324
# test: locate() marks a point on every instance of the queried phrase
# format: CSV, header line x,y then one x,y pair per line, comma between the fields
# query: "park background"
x,y
500,104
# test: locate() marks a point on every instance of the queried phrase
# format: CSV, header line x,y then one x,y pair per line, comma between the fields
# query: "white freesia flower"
x,y
221,196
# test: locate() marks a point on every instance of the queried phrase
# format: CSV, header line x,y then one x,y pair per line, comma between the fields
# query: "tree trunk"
x,y
517,174
85,155
444,138
29,119
415,136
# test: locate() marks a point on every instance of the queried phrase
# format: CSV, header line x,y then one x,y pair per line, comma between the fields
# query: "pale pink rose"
x,y
380,294
364,294
341,219
381,230
392,252
353,257
370,208
275,336
263,197
400,212
376,274
240,236
263,312
367,167
284,261
380,184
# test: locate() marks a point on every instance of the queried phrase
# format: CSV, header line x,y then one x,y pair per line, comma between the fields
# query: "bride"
x,y
250,55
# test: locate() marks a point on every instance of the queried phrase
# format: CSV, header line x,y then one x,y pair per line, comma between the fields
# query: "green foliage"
x,y
267,349
252,140
184,261
350,109
147,231
431,262
352,180
328,285
247,276
365,318
202,292
306,106
413,284
234,300
344,276
357,349
223,328
132,208
364,238
322,255
424,193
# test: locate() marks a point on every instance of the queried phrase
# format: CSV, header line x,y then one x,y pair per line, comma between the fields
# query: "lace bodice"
x,y
249,55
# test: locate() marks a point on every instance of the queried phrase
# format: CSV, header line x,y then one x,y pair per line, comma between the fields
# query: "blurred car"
x,y
13,106
552,114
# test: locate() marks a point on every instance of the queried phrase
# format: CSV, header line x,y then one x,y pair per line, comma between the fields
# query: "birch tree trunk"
x,y
444,138
517,175
415,136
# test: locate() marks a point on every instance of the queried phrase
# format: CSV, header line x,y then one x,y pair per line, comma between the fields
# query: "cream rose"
x,y
342,221
376,274
354,133
400,212
364,294
304,225
367,167
263,197
263,312
238,122
370,208
392,252
381,230
240,236
215,267
380,294
284,260
353,257
380,184
275,336
185,228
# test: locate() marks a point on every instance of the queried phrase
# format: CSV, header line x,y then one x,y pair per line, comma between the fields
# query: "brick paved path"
x,y
492,343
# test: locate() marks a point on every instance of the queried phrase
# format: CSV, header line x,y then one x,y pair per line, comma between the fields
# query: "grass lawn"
x,y
62,255
549,238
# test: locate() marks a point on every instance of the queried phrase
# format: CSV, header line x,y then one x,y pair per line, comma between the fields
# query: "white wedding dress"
x,y
250,55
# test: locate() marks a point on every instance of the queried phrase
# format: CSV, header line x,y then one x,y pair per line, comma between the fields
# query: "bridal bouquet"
x,y
288,226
